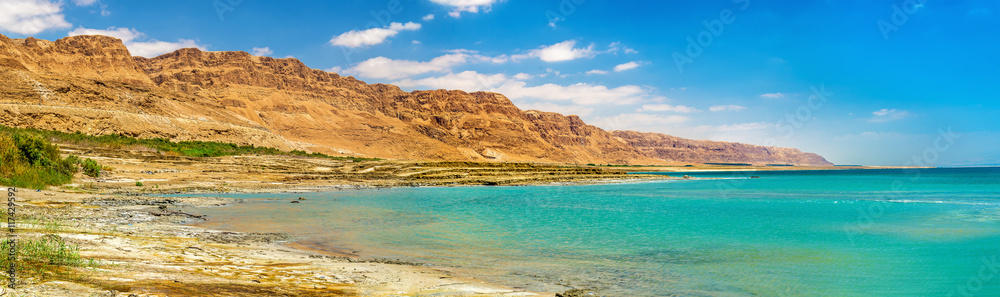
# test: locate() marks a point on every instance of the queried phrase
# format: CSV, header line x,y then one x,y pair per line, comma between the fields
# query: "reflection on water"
x,y
785,234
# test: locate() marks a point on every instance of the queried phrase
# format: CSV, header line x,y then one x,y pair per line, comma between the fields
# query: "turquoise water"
x,y
933,232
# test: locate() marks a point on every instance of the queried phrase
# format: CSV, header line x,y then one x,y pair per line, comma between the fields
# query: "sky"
x,y
865,82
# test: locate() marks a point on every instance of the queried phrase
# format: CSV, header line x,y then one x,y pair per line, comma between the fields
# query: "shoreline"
x,y
133,239
132,219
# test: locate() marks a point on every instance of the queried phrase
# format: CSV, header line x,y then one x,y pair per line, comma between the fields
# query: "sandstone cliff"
x,y
93,85
676,149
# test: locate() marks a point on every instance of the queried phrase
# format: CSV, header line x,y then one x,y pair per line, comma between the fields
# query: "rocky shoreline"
x,y
139,243
143,247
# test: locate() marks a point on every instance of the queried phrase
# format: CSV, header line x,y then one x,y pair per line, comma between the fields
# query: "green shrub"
x,y
138,184
70,165
30,161
183,148
91,168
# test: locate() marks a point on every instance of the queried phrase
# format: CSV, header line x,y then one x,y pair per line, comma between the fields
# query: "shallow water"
x,y
930,232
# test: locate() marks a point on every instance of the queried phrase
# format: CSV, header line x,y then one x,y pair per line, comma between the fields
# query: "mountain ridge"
x,y
283,103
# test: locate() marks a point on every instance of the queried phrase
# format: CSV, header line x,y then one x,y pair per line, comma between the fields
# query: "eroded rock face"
x,y
91,56
284,103
676,149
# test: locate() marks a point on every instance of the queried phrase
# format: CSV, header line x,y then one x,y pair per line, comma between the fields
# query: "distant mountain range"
x,y
92,84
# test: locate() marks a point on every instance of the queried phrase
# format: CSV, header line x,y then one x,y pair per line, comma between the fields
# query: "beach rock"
x,y
576,293
130,201
295,201
239,237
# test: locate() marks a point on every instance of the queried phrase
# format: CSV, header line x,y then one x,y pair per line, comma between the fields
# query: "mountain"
x,y
93,85
680,150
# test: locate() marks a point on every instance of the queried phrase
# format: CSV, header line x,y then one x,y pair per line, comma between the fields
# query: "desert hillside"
x,y
92,84
676,149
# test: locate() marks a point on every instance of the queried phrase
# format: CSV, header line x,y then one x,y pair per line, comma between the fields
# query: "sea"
x,y
871,232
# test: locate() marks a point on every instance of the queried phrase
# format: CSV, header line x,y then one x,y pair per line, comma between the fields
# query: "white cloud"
x,y
870,135
772,95
627,66
885,115
84,3
563,109
755,132
469,81
553,21
31,16
614,47
373,36
727,108
471,6
563,51
334,69
597,71
125,34
667,107
581,93
429,17
261,51
155,48
744,127
382,67
522,76
137,43
638,120
408,26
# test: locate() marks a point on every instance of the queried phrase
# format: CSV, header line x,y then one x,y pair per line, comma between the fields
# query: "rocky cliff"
x,y
93,85
676,149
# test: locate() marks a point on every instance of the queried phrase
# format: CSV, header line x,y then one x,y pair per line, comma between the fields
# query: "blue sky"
x,y
859,82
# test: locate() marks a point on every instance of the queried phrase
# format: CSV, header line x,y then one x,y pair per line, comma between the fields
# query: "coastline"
x,y
147,248
149,251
